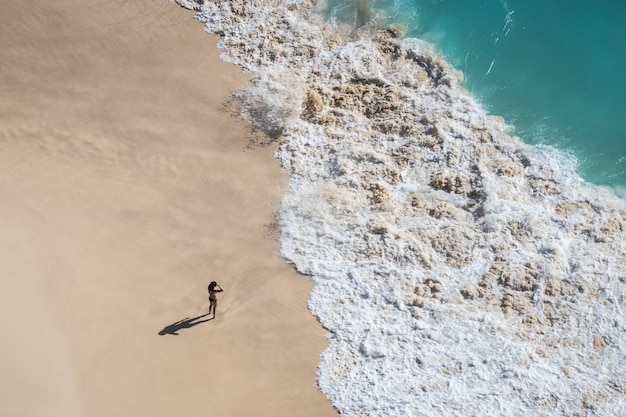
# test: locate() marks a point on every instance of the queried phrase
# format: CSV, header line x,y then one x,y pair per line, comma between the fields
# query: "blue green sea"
x,y
553,69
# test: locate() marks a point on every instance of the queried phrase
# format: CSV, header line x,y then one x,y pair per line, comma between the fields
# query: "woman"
x,y
213,297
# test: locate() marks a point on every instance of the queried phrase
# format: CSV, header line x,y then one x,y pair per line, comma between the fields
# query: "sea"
x,y
552,69
456,193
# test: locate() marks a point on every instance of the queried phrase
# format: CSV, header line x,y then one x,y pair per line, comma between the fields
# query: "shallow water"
x,y
553,70
458,270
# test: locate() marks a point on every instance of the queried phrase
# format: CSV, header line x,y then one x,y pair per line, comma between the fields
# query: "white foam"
x,y
458,271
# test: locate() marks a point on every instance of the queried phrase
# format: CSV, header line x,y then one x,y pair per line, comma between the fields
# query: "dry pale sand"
x,y
124,191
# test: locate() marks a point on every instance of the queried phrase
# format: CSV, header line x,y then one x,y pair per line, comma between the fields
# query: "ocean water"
x,y
553,69
459,270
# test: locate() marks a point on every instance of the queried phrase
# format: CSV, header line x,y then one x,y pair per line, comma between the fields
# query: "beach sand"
x,y
125,190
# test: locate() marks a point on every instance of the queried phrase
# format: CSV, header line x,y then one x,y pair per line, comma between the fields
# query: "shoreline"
x,y
125,191
433,235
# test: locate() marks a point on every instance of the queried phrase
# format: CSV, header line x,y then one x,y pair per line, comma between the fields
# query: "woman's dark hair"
x,y
212,285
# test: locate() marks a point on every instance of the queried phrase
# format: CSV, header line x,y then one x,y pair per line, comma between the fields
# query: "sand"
x,y
125,190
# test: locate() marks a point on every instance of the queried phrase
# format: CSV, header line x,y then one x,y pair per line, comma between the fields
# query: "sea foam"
x,y
458,271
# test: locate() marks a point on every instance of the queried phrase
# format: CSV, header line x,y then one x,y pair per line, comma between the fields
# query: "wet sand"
x,y
125,190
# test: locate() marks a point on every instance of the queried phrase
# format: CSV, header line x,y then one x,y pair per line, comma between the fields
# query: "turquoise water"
x,y
553,69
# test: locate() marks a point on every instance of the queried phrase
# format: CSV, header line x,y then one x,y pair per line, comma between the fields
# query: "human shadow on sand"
x,y
185,323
